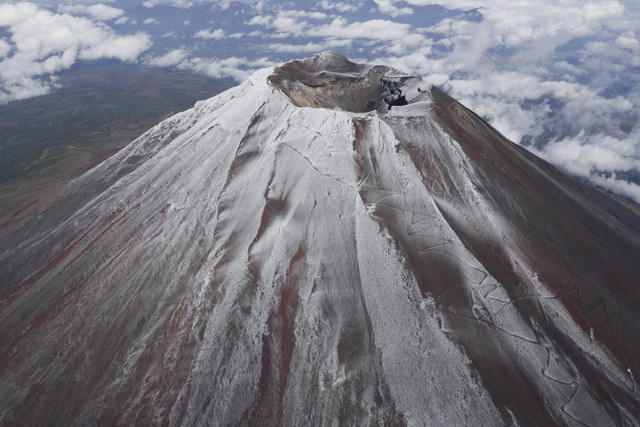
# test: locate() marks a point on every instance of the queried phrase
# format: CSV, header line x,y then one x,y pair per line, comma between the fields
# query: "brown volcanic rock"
x,y
253,261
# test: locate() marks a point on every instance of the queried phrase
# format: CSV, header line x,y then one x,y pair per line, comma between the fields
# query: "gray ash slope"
x,y
294,251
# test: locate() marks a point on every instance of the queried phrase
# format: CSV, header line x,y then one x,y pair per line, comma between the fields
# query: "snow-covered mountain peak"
x,y
363,262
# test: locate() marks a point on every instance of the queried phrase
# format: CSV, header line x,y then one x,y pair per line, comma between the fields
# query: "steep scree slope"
x,y
256,261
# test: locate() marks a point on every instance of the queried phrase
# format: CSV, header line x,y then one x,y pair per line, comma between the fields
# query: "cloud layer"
x,y
43,43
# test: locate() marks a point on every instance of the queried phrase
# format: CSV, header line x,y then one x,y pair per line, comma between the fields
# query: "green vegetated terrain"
x,y
99,108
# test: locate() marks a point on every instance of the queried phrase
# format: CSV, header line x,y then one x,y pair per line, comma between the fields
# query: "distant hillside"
x,y
46,141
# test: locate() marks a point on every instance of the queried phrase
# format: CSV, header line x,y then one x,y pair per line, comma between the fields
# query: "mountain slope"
x,y
383,257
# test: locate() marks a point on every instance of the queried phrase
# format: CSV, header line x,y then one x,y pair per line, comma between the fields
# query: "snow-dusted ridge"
x,y
255,261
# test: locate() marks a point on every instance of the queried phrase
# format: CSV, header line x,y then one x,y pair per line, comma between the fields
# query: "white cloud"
x,y
183,4
209,34
514,23
340,6
258,6
260,20
44,43
124,48
288,24
150,21
170,59
293,48
302,14
223,4
308,47
584,155
618,186
234,67
598,158
628,40
98,11
5,48
389,7
375,29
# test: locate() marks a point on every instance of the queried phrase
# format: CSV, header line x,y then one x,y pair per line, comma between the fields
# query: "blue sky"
x,y
560,77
